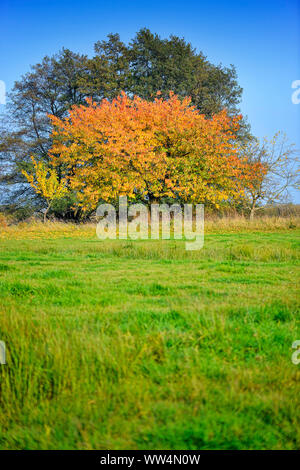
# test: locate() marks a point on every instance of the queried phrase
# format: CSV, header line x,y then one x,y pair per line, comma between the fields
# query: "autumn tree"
x,y
147,64
44,180
148,150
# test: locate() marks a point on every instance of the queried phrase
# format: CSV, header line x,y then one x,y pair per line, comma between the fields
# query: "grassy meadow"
x,y
144,345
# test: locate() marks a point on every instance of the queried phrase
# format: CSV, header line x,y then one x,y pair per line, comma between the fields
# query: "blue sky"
x,y
261,38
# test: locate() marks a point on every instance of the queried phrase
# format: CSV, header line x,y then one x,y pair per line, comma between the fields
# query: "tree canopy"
x,y
148,150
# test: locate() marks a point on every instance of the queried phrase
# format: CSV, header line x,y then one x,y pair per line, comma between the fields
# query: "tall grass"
x,y
144,345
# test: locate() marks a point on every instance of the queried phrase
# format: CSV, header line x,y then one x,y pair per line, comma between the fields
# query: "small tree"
x,y
44,180
279,159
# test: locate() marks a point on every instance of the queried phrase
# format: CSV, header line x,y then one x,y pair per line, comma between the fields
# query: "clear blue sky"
x,y
261,38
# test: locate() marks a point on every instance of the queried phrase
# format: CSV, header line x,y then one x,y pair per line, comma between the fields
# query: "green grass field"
x,y
144,345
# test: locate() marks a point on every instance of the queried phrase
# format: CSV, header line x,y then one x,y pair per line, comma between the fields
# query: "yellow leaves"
x,y
44,180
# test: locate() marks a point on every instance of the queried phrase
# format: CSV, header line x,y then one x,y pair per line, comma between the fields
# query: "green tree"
x,y
107,73
158,64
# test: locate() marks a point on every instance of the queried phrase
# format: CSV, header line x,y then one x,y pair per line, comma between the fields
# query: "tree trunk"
x,y
152,200
46,212
252,212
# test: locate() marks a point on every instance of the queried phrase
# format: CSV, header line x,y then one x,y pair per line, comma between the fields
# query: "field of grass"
x,y
144,345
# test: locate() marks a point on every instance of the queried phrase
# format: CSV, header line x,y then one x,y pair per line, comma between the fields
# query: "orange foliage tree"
x,y
148,150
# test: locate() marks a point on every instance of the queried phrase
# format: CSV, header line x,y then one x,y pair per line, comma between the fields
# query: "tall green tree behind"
x,y
150,64
173,64
107,73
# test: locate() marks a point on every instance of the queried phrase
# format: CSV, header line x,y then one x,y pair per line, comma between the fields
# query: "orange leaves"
x,y
144,149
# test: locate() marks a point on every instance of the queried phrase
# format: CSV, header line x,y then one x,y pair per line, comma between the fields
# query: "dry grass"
x,y
243,224
56,229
